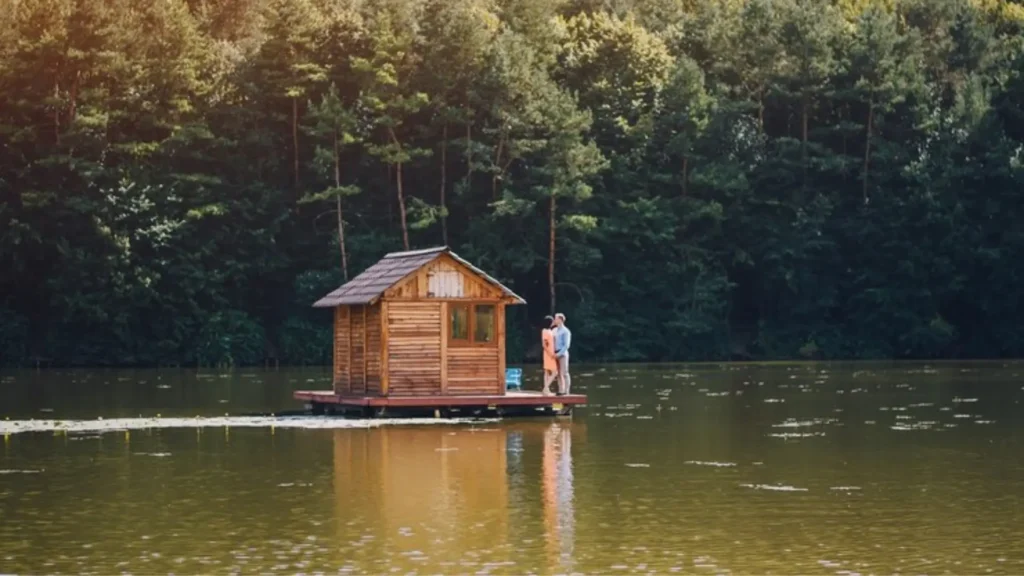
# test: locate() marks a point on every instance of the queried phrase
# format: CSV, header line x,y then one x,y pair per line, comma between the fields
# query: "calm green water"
x,y
811,469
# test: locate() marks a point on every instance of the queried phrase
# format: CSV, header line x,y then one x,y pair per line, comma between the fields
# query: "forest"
x,y
684,179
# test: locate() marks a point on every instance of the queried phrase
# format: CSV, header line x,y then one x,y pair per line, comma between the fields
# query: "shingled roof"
x,y
390,270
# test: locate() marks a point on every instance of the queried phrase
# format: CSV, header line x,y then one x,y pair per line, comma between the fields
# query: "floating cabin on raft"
x,y
422,329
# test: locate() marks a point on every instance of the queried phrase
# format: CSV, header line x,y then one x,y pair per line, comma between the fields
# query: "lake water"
x,y
692,469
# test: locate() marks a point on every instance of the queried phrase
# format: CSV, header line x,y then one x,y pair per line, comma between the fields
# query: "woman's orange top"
x,y
547,338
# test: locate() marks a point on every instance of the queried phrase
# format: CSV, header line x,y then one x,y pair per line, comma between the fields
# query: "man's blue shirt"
x,y
563,337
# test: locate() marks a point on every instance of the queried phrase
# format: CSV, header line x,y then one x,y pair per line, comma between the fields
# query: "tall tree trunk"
x,y
760,110
391,199
867,146
686,174
337,199
497,162
401,192
469,157
551,253
803,137
444,183
56,111
295,141
401,205
73,96
844,114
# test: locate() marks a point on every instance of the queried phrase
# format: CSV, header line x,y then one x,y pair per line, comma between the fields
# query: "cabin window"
x,y
473,324
460,323
483,324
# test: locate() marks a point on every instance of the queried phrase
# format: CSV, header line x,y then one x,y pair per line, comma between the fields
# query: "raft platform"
x,y
512,403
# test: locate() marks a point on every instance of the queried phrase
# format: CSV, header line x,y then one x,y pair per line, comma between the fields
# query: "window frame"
x,y
470,308
452,340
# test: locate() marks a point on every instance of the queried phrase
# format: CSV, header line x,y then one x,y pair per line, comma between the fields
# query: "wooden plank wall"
x,y
443,278
477,369
357,357
373,350
472,370
414,348
341,350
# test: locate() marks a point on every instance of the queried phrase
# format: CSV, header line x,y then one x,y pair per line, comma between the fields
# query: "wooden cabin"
x,y
420,323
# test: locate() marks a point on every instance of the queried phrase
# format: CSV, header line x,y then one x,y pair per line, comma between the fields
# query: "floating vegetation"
x,y
914,426
638,465
153,454
716,464
774,400
845,488
21,471
774,488
792,423
964,400
796,434
305,422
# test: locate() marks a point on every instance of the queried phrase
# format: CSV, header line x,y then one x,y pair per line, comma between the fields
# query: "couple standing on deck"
x,y
556,338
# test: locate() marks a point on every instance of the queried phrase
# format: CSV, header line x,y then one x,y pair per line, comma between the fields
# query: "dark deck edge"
x,y
327,397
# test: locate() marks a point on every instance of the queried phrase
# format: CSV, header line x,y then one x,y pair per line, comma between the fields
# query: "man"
x,y
563,339
547,338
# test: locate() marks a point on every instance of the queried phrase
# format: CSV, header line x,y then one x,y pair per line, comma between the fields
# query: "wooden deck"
x,y
518,402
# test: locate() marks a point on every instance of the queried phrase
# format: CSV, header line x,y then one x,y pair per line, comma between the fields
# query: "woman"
x,y
547,338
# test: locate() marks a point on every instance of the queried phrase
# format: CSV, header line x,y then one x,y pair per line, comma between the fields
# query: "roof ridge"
x,y
419,252
371,283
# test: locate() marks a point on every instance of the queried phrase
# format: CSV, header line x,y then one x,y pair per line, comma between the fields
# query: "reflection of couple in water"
x,y
556,338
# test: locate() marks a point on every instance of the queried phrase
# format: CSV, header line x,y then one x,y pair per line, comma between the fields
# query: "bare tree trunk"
x,y
551,252
497,162
760,110
391,199
295,140
56,111
867,145
401,192
337,199
73,110
803,151
401,206
444,183
469,157
686,174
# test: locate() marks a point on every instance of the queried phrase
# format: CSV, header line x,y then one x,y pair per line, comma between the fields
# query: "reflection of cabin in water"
x,y
420,323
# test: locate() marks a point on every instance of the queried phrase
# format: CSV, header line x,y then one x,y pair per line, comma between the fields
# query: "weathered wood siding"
x,y
357,357
373,349
444,278
341,349
472,370
477,369
414,348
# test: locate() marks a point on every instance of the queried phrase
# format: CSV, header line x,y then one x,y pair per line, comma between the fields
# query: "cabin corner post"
x,y
384,369
366,355
444,347
348,357
336,352
501,348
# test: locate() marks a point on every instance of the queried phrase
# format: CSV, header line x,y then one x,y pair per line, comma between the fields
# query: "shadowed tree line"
x,y
685,179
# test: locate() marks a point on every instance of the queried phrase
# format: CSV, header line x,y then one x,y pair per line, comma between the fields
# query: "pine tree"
x,y
391,100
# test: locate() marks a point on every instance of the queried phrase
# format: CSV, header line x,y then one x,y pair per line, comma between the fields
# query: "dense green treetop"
x,y
685,179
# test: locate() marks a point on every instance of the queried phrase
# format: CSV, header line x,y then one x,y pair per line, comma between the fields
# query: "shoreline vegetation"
x,y
688,180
